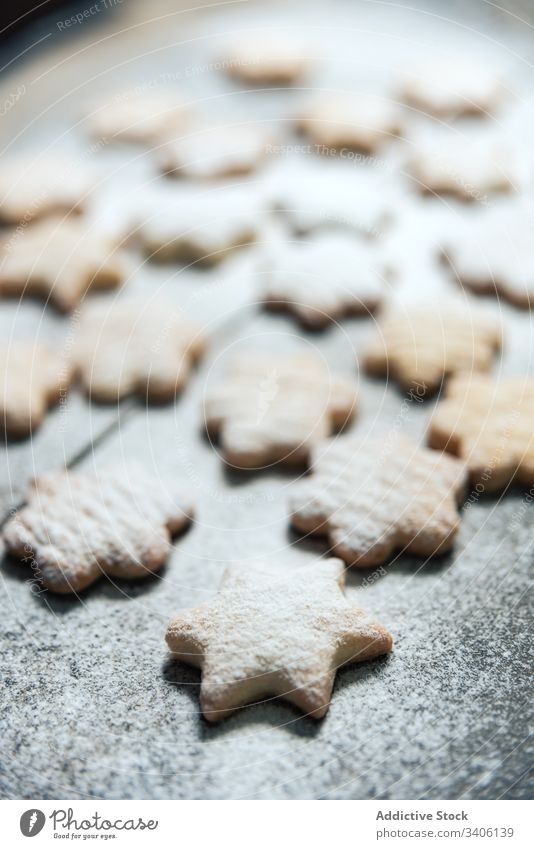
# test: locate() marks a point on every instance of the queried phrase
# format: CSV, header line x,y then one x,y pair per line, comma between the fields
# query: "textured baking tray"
x,y
91,706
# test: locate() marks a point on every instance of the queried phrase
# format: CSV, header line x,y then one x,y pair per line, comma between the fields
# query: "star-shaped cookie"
x,y
32,378
492,254
351,121
31,188
275,631
143,117
274,408
452,87
469,171
267,60
488,424
421,346
328,197
136,347
60,260
214,152
78,526
188,226
322,279
370,497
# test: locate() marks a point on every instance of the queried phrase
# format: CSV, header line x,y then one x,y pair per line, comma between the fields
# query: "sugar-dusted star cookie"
x,y
60,260
133,346
447,88
275,630
143,117
35,186
421,345
265,59
214,152
329,198
78,526
32,378
274,408
488,424
370,497
200,227
469,170
352,121
323,278
492,253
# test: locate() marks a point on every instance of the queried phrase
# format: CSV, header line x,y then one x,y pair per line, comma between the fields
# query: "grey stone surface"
x,y
92,706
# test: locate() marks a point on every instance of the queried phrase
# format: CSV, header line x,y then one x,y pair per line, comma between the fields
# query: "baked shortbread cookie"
x,y
60,260
143,117
214,152
79,526
313,198
32,379
135,347
370,497
275,631
452,87
323,279
423,345
493,254
464,169
488,424
267,60
32,188
273,409
352,121
200,228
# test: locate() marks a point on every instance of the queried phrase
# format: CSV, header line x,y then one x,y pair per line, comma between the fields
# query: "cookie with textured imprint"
x,y
329,198
214,152
143,117
274,630
60,260
32,379
492,254
353,121
468,170
421,345
135,347
32,188
322,279
78,526
448,88
370,497
273,409
267,60
488,424
203,228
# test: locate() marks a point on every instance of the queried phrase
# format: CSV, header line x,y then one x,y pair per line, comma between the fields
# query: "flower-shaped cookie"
x,y
267,60
205,227
421,346
136,347
32,378
137,116
452,87
31,188
214,152
323,279
60,261
275,630
488,424
491,254
270,409
371,497
78,526
351,121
